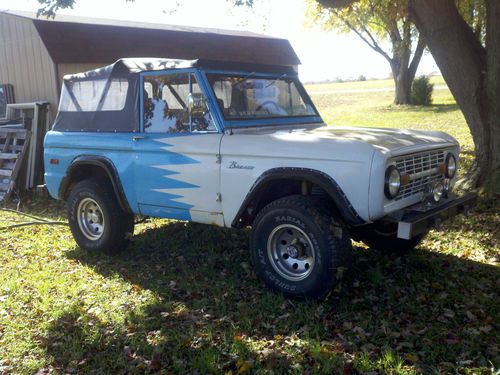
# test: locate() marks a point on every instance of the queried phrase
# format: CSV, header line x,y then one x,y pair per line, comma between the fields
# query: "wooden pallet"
x,y
13,146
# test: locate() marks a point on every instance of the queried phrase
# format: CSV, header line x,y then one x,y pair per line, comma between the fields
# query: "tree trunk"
x,y
472,76
403,71
402,83
493,91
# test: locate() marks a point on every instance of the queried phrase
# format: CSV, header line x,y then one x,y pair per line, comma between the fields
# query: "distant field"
x,y
372,84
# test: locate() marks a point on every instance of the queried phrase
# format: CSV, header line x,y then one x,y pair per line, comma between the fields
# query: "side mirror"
x,y
197,105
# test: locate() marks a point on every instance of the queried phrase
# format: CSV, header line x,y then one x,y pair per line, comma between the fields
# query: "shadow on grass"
x,y
426,310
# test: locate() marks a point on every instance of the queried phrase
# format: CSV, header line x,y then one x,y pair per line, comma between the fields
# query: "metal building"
x,y
35,53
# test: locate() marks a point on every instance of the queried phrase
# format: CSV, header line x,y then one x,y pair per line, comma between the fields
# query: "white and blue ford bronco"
x,y
240,145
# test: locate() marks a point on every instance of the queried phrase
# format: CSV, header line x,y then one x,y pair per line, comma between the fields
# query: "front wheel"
x,y
298,249
95,218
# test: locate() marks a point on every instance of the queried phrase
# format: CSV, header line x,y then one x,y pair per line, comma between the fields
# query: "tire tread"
x,y
337,238
121,222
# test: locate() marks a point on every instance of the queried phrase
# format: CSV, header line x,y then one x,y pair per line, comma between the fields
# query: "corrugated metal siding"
x,y
26,63
63,69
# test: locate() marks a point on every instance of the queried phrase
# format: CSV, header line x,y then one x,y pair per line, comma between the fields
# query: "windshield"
x,y
245,97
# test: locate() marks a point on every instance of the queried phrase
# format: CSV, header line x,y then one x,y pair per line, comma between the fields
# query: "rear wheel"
x,y
96,220
298,249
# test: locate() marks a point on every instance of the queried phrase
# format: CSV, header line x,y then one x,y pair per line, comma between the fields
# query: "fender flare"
x,y
101,162
346,211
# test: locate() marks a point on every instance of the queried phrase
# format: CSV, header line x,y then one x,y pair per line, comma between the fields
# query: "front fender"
x,y
345,209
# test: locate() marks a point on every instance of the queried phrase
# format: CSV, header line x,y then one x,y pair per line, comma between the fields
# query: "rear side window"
x,y
94,95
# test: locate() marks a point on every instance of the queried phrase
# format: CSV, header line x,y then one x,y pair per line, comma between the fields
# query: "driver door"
x,y
176,169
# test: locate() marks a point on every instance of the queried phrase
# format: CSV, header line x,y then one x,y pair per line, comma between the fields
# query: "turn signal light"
x,y
405,179
442,169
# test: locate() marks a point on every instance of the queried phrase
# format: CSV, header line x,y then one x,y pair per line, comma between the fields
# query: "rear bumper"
x,y
418,219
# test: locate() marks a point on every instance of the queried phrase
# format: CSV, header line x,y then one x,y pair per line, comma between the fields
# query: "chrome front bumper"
x,y
418,219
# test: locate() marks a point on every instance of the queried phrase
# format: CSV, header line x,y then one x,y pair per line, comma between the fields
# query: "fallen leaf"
x,y
412,358
127,353
347,325
340,272
449,313
155,363
451,339
243,366
136,288
486,329
470,315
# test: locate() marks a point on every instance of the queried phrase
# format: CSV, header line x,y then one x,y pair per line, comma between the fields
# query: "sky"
x,y
324,55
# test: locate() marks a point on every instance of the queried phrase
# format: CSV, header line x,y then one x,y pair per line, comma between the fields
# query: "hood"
x,y
393,140
387,141
348,144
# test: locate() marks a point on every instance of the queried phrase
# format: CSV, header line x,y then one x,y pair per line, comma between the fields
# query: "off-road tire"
x,y
389,242
331,242
118,225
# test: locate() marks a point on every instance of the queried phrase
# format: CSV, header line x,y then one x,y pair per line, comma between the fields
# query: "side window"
x,y
116,96
94,95
166,105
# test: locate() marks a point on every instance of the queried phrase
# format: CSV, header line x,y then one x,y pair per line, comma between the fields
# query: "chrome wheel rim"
x,y
90,219
291,252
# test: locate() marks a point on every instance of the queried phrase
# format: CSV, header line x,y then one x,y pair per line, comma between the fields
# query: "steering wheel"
x,y
278,108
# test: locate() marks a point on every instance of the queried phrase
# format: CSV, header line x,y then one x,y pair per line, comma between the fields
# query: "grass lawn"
x,y
182,298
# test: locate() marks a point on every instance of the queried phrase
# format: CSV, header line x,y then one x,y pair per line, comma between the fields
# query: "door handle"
x,y
136,138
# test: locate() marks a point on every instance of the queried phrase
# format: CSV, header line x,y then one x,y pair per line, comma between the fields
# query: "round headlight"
x,y
451,166
437,192
392,182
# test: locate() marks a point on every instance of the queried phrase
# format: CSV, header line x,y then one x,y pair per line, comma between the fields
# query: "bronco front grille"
x,y
423,169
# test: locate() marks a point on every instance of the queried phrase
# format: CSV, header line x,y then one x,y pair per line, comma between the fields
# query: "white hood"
x,y
387,141
350,144
393,140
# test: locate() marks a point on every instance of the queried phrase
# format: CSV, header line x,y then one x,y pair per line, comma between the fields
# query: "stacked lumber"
x,y
13,145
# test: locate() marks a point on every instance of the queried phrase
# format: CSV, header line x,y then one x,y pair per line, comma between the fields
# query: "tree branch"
x,y
406,31
417,56
373,44
392,28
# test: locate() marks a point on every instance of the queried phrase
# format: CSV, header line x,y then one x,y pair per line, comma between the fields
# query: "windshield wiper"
x,y
243,79
277,79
